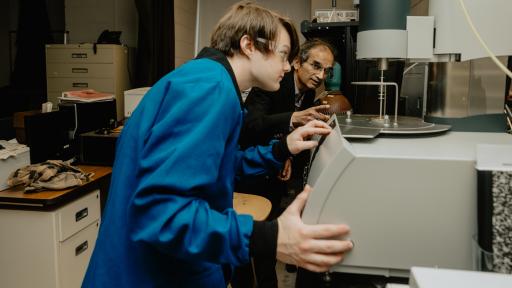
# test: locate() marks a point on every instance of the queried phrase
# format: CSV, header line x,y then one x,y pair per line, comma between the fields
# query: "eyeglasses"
x,y
318,68
283,53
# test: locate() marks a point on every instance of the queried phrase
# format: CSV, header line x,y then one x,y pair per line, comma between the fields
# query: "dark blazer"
x,y
269,113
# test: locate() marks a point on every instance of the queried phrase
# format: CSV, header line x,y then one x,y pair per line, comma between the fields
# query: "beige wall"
x,y
210,12
419,7
122,15
185,30
85,20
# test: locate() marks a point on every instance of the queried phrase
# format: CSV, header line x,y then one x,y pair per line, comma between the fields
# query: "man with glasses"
x,y
270,115
273,113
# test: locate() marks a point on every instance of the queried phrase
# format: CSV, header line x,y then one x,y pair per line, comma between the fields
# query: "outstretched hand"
x,y
300,118
299,139
313,247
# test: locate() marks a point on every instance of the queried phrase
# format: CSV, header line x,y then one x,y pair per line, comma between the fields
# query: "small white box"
x,y
132,98
425,277
420,37
10,164
335,15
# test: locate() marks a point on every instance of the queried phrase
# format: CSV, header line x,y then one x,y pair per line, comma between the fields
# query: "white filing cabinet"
x,y
47,238
48,249
77,67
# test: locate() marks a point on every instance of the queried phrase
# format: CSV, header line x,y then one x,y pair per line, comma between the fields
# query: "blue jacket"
x,y
169,220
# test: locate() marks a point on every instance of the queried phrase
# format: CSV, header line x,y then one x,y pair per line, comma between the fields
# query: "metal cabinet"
x,y
103,67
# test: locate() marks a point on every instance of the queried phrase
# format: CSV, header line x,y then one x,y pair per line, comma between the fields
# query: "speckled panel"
x,y
502,221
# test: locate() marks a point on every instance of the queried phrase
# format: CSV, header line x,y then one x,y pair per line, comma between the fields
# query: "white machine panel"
x,y
422,277
333,150
409,201
453,34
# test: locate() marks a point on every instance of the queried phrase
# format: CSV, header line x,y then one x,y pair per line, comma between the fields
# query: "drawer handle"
x,y
79,70
81,214
78,55
81,248
80,84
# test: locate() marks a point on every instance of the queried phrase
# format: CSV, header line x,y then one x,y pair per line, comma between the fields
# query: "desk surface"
x,y
46,199
256,206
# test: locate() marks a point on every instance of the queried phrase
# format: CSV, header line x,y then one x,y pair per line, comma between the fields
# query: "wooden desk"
x,y
15,197
256,206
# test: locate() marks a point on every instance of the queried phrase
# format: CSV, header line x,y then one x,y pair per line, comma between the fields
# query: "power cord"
x,y
472,26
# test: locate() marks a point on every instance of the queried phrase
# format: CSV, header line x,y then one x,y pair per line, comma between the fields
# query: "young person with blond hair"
x,y
169,220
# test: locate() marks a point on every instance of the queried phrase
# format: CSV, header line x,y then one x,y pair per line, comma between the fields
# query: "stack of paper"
x,y
12,157
11,148
88,95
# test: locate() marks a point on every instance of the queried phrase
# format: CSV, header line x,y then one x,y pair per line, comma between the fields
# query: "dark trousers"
x,y
264,268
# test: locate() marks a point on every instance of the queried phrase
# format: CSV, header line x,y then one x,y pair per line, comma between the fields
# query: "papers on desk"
x,y
11,148
88,95
12,157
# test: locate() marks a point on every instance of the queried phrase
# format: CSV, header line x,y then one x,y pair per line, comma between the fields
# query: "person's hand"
x,y
298,139
300,118
313,247
286,172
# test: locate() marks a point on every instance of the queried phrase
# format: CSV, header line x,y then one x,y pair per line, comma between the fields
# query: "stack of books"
x,y
88,95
